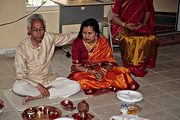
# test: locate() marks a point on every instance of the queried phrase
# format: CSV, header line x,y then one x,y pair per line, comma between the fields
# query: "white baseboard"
x,y
7,51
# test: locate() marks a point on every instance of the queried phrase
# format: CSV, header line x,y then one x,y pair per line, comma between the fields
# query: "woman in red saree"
x,y
133,26
93,64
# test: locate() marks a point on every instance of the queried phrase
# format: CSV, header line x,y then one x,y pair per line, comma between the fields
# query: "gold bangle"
x,y
110,64
104,71
123,24
87,69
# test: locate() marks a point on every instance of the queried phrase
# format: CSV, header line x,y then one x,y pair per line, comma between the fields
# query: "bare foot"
x,y
29,98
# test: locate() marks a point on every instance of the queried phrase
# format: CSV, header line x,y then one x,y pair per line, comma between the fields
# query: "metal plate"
x,y
129,96
41,113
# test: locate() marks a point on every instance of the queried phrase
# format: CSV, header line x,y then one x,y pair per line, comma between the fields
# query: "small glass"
x,y
124,109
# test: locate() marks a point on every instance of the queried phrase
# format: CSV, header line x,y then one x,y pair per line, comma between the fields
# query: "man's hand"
x,y
43,90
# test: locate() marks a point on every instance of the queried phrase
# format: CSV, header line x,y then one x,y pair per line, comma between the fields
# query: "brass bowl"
x,y
41,113
83,116
114,89
67,105
90,91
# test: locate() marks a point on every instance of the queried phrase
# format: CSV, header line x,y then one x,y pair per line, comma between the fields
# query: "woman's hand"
x,y
139,25
43,90
99,75
130,26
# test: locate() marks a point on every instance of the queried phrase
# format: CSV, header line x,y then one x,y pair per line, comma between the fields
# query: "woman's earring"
x,y
28,33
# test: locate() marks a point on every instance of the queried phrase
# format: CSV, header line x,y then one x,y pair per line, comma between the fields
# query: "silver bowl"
x,y
67,105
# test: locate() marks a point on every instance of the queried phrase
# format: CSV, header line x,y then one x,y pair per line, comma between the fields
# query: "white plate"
x,y
129,96
127,117
64,118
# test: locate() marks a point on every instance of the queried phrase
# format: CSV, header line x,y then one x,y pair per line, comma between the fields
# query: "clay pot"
x,y
83,107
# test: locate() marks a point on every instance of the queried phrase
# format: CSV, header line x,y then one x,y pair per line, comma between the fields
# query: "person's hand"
x,y
130,26
139,25
99,75
43,90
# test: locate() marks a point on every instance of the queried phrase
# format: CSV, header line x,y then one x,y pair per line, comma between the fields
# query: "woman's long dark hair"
x,y
92,23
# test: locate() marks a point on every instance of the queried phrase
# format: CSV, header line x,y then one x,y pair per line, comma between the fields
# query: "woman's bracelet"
x,y
110,64
123,24
104,71
87,69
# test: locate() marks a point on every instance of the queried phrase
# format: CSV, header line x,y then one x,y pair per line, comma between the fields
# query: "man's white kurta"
x,y
33,65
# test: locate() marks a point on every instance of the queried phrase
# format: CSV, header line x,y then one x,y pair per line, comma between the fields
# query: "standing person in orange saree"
x,y
93,64
133,26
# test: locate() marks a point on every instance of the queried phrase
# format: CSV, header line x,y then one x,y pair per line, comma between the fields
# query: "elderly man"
x,y
34,78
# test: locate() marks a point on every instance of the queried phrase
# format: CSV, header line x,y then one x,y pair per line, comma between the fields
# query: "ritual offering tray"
x,y
67,105
41,113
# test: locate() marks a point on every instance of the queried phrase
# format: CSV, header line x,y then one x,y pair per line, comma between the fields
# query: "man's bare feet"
x,y
29,98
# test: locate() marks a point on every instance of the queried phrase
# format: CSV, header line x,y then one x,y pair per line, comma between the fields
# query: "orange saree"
x,y
118,77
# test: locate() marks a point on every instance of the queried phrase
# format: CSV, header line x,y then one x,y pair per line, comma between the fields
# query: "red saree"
x,y
118,77
133,11
138,47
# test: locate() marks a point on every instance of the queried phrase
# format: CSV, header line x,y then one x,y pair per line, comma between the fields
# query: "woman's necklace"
x,y
90,46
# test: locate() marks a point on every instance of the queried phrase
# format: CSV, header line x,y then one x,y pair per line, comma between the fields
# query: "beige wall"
x,y
52,20
11,10
166,5
11,35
